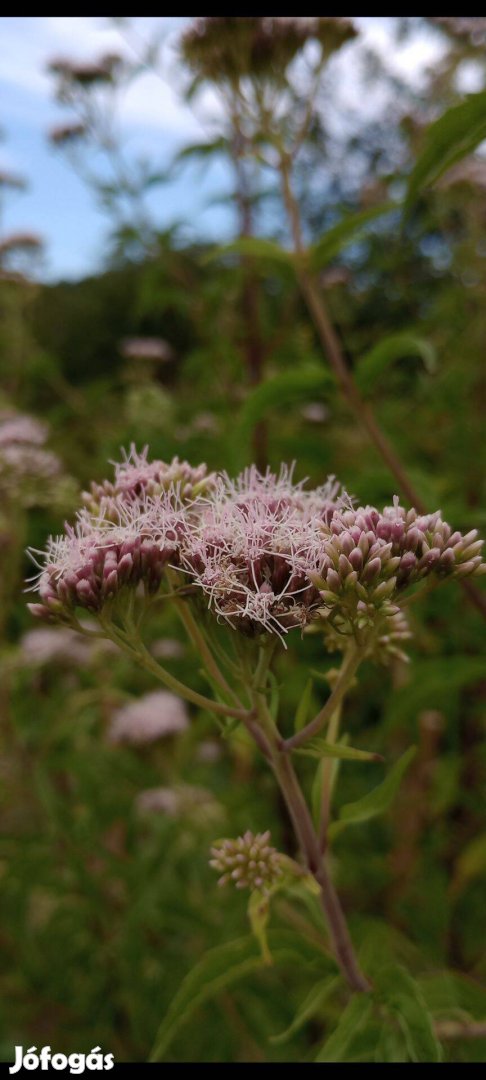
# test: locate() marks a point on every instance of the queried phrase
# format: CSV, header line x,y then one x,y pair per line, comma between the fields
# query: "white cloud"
x,y
29,43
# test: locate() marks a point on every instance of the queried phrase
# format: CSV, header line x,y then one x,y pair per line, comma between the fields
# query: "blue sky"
x,y
57,205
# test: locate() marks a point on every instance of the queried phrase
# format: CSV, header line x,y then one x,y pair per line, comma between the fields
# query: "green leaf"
x,y
344,233
303,710
274,694
471,863
403,997
434,685
254,247
392,348
202,151
258,914
310,1006
454,135
216,970
377,801
352,1021
319,748
289,386
447,992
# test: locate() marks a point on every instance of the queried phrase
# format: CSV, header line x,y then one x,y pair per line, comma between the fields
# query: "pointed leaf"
x,y
374,802
353,1020
302,714
310,1006
219,968
375,362
202,151
344,233
456,133
258,914
319,748
255,247
402,996
288,387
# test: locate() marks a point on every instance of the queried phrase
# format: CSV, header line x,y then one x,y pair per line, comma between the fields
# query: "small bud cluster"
x,y
249,862
369,558
136,478
87,73
230,47
383,645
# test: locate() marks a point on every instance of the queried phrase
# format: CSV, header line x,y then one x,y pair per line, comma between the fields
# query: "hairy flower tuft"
x,y
97,558
253,549
136,478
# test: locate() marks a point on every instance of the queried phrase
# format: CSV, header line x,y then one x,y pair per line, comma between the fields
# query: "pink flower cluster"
x,y
264,553
369,558
136,478
28,472
255,545
151,717
95,560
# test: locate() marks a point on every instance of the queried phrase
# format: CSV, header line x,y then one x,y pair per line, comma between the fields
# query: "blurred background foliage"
x,y
105,908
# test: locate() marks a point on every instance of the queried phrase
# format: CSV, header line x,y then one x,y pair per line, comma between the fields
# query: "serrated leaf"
x,y
456,133
302,714
353,1020
392,348
344,233
319,748
310,1006
374,802
402,995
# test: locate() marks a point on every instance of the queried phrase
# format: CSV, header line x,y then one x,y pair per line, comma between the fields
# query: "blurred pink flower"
x,y
151,717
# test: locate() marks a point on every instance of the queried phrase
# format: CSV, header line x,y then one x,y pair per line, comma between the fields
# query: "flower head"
x,y
249,862
228,48
253,548
136,478
151,717
183,801
18,428
371,557
54,645
29,473
95,559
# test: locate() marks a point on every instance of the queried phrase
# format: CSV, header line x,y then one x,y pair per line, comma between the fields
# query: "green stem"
x,y
328,772
342,945
350,665
137,651
316,863
200,643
